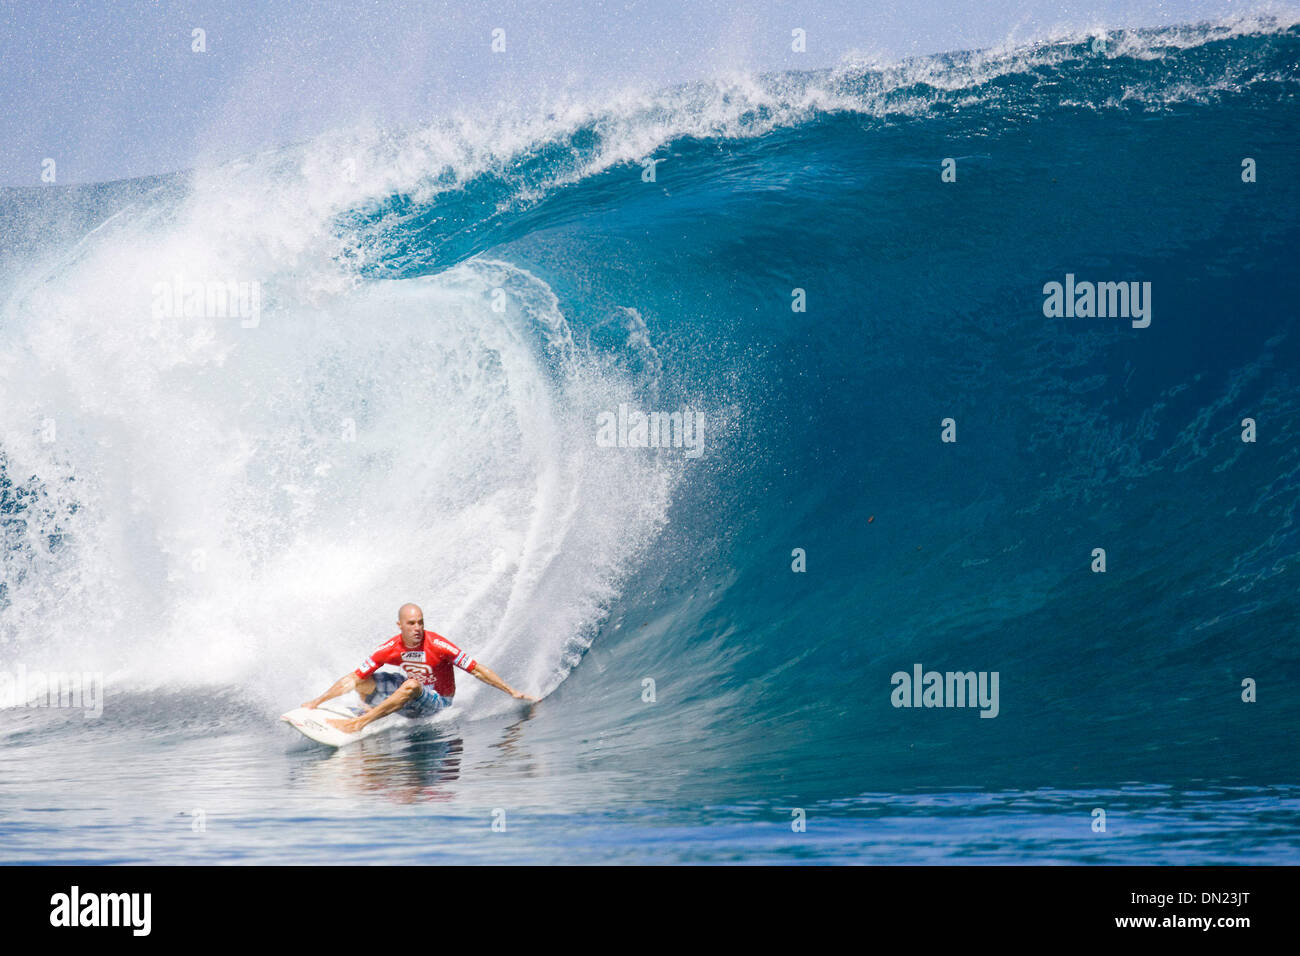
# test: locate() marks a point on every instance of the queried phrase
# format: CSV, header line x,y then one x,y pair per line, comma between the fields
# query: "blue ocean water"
x,y
220,514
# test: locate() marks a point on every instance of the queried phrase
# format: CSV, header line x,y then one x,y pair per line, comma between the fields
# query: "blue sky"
x,y
113,90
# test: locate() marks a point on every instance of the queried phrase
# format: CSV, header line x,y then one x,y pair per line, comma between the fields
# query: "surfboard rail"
x,y
313,724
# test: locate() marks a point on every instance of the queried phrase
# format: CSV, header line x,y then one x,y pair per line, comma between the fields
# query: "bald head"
x,y
411,620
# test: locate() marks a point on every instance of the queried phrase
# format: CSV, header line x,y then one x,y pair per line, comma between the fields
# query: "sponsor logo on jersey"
x,y
367,665
418,671
413,655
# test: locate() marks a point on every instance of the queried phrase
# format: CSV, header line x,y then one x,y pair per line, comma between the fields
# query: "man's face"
x,y
412,623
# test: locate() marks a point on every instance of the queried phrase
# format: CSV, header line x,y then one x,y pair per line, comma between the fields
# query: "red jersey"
x,y
431,663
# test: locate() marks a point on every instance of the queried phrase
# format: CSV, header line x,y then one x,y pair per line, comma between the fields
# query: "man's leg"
x,y
398,699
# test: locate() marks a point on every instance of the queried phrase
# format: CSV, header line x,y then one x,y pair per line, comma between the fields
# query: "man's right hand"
x,y
311,704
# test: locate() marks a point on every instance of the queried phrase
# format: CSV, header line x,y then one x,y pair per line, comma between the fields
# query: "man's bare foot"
x,y
347,726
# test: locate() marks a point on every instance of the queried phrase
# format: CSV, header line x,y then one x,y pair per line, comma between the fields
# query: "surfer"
x,y
430,684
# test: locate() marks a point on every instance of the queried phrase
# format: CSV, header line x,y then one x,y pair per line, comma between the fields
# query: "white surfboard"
x,y
313,724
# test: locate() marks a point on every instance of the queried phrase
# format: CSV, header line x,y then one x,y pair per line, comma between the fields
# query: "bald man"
x,y
430,684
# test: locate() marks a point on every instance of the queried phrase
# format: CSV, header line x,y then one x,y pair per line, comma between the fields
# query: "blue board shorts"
x,y
426,705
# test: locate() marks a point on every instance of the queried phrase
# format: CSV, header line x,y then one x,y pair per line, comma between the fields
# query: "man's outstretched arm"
x,y
340,687
486,675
